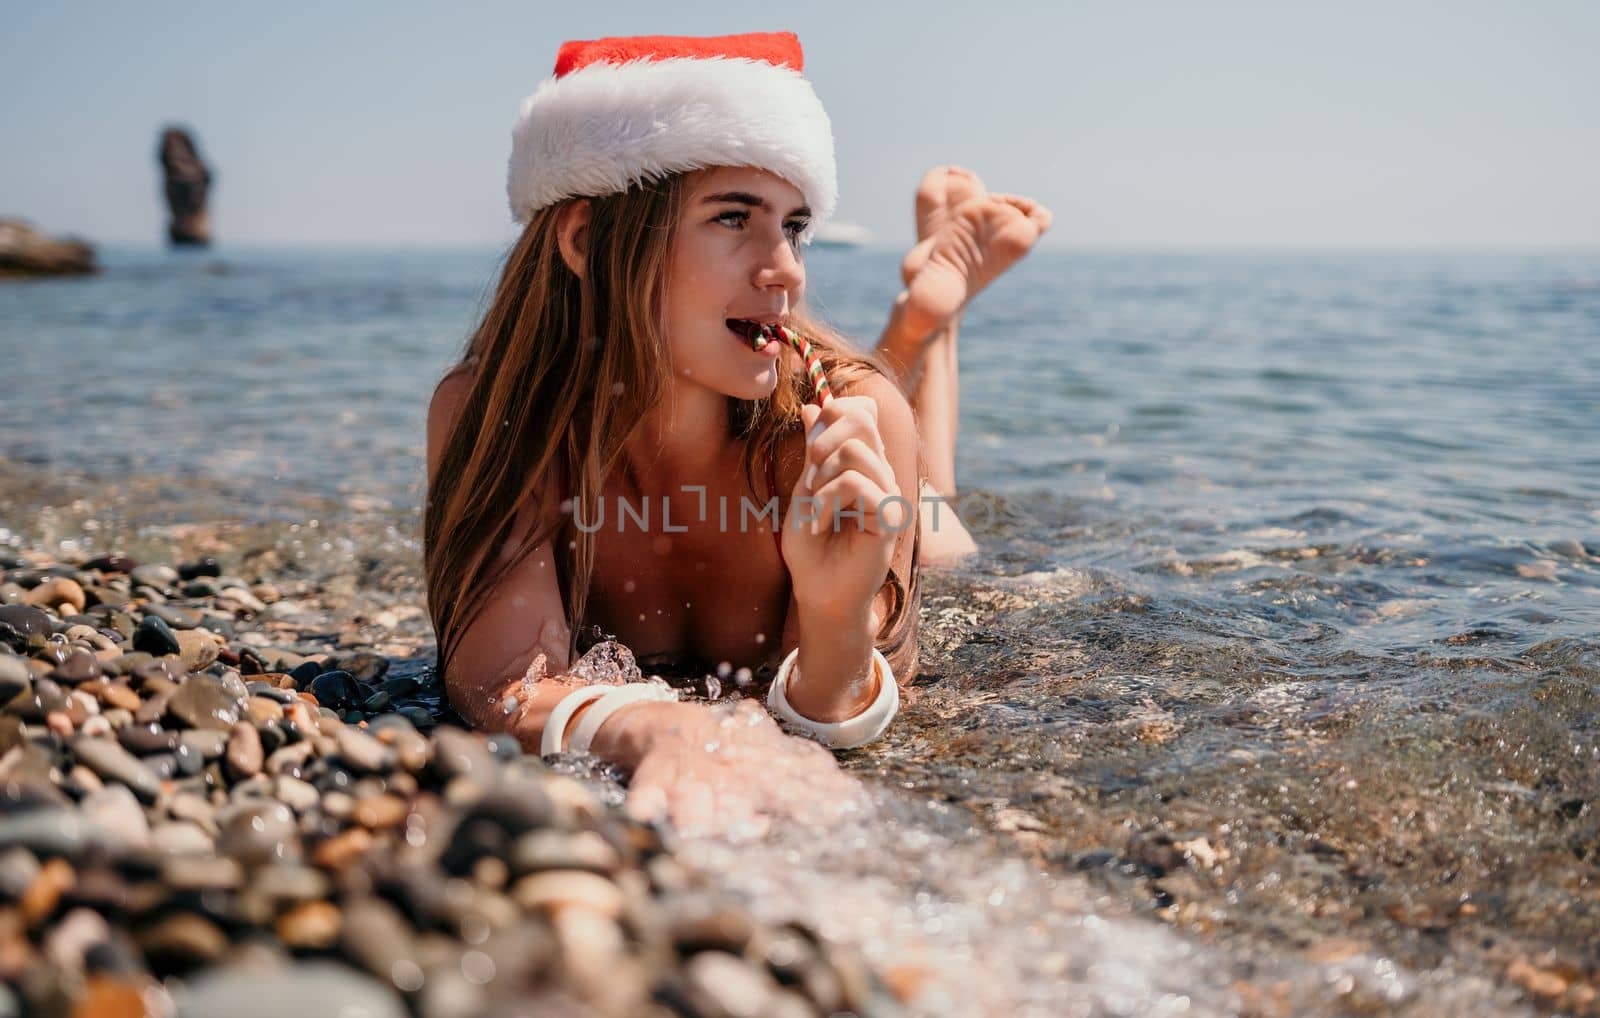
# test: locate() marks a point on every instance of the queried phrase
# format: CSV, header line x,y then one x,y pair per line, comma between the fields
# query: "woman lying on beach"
x,y
605,452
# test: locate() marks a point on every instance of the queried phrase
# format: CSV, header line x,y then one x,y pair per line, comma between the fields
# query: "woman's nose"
x,y
781,266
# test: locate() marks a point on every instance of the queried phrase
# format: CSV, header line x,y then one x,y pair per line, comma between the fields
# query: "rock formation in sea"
x,y
187,181
25,251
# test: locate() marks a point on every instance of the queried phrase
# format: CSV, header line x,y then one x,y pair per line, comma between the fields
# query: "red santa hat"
x,y
619,111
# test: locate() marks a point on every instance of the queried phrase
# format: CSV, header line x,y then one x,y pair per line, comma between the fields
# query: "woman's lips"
x,y
746,332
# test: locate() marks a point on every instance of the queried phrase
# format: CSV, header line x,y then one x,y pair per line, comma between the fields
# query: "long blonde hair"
x,y
562,369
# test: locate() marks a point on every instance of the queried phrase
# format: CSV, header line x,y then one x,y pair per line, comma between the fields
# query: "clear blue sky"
x,y
1446,124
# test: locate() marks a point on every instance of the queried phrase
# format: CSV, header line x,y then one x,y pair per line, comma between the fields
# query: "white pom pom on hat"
x,y
623,110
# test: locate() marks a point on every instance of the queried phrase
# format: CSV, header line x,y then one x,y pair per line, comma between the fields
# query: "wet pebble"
x,y
56,591
196,649
256,832
179,619
153,636
112,762
156,576
202,702
335,689
310,925
363,752
244,751
180,837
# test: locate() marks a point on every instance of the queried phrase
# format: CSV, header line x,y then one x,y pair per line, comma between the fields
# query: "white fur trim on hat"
x,y
604,127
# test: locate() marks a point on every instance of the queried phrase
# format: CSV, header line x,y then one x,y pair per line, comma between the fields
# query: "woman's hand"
x,y
845,512
728,771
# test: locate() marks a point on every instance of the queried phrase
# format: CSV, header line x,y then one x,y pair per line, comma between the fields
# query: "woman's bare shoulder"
x,y
448,398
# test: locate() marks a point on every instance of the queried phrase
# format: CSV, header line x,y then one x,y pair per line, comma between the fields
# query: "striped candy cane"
x,y
802,346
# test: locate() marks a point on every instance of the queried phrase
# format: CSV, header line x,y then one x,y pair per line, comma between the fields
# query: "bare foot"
x,y
983,237
941,190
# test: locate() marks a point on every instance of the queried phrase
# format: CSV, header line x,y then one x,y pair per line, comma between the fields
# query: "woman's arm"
x,y
836,635
488,681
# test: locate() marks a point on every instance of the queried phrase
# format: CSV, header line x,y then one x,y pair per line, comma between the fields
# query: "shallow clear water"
x,y
1287,631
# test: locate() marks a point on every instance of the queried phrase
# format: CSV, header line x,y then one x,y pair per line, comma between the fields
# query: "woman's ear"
x,y
572,233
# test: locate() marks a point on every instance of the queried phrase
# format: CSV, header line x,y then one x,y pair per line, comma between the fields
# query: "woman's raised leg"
x,y
966,238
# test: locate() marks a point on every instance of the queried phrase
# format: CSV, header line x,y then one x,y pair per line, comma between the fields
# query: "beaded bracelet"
x,y
851,732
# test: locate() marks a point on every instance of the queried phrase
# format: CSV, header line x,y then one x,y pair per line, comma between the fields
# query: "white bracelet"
x,y
851,732
555,729
614,699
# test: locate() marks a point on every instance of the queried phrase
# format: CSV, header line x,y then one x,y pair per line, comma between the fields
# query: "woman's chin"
x,y
758,386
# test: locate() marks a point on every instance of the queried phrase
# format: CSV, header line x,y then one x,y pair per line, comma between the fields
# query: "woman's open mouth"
x,y
754,336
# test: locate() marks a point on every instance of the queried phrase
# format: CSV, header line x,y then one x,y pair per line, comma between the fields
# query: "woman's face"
x,y
737,256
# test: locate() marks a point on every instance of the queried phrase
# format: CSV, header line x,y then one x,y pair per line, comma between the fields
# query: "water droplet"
x,y
713,687
474,929
761,637
508,705
724,669
742,677
406,975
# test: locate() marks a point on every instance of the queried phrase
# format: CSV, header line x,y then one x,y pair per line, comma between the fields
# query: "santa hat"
x,y
619,111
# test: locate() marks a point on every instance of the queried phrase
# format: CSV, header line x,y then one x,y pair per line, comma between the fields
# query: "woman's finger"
x,y
855,454
834,434
851,500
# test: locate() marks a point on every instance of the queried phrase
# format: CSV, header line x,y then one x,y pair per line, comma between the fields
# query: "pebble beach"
x,y
205,786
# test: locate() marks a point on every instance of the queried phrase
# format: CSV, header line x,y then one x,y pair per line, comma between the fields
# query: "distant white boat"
x,y
837,234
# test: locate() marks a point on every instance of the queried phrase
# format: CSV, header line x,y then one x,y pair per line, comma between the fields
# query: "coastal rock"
x,y
187,183
25,251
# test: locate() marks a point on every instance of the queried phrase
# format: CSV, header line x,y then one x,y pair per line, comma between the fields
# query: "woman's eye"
x,y
794,228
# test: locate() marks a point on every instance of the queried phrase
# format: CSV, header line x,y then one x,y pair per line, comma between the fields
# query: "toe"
x,y
962,183
914,260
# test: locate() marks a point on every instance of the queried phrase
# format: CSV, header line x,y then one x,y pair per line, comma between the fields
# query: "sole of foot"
x,y
940,192
983,237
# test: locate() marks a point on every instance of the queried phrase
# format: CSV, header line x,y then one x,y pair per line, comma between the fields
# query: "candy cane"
x,y
802,346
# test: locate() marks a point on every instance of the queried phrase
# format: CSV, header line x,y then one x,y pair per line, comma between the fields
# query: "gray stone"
x,y
307,988
180,837
119,814
362,752
257,832
113,763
